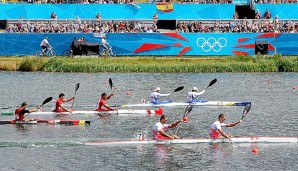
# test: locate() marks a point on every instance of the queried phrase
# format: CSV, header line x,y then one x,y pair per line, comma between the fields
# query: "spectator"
x,y
78,20
98,16
155,18
53,16
267,14
236,16
258,15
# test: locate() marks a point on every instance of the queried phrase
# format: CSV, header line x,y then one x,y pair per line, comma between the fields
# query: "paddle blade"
x,y
212,82
246,110
47,100
77,86
187,110
178,89
111,83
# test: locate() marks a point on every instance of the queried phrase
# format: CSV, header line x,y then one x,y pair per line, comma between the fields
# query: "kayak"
x,y
253,139
47,121
196,103
118,112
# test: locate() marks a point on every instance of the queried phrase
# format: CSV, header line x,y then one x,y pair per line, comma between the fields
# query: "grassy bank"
x,y
153,64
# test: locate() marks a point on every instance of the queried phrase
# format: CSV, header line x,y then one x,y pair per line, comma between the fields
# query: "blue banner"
x,y
173,44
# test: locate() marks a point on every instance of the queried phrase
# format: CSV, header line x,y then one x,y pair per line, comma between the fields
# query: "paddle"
x,y
6,107
178,89
245,111
77,87
111,84
186,112
43,103
210,84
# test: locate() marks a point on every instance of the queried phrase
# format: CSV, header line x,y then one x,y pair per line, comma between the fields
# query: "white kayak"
x,y
118,112
197,103
253,139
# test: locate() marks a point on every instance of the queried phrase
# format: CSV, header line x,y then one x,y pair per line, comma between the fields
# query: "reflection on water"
x,y
161,154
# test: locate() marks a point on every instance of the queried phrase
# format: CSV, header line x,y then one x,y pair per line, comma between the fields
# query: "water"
x,y
60,147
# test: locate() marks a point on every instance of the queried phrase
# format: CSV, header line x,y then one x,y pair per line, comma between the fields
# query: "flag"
x,y
165,6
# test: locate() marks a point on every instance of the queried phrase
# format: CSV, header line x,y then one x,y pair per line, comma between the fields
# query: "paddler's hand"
x,y
230,138
185,119
172,137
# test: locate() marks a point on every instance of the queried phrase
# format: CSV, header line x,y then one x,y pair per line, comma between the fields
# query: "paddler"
x,y
102,105
155,95
59,104
160,127
216,131
21,111
193,94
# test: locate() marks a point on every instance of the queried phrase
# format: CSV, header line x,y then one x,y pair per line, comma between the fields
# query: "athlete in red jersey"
x,y
59,104
102,105
21,111
216,128
160,127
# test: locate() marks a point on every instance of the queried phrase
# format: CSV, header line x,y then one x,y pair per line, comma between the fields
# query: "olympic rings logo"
x,y
211,44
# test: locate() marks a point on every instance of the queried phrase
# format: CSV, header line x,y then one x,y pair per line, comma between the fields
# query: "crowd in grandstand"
x,y
262,22
238,26
78,26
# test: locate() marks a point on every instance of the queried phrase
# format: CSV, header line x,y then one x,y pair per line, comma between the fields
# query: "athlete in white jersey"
x,y
191,96
216,130
154,96
160,127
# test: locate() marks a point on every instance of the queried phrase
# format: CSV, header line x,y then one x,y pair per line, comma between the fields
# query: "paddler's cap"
x,y
157,89
194,89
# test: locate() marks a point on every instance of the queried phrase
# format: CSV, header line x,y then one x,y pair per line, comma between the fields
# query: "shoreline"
x,y
258,63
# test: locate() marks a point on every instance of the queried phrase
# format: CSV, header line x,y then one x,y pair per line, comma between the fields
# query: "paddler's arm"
x,y
175,124
68,110
233,124
163,95
34,110
68,100
166,135
199,93
224,134
108,107
110,96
